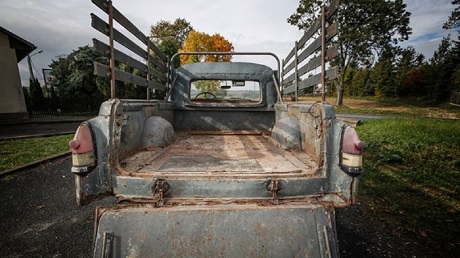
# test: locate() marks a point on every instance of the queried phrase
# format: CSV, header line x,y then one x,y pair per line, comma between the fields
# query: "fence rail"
x,y
300,60
44,114
455,98
156,66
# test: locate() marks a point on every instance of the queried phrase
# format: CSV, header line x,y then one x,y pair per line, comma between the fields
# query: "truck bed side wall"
x,y
135,113
320,134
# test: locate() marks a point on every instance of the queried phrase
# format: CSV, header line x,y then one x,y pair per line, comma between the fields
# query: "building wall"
x,y
12,103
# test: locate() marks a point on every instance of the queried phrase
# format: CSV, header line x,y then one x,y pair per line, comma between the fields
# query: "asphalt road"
x,y
36,129
39,215
39,218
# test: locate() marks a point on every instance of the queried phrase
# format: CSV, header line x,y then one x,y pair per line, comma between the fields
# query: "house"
x,y
12,50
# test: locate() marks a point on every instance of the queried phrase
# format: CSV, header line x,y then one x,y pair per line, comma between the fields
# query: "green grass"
x,y
412,177
19,152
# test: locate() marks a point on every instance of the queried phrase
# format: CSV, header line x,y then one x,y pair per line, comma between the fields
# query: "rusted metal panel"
x,y
217,231
217,187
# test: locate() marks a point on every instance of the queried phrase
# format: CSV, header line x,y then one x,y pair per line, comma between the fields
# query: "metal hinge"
x,y
160,189
274,187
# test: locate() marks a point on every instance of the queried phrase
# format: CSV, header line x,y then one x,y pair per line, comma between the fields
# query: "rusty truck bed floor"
x,y
228,154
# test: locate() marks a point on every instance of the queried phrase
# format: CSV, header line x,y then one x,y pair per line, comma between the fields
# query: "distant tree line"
x,y
404,73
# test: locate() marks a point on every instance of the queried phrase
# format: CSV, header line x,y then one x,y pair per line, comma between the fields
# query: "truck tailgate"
x,y
288,230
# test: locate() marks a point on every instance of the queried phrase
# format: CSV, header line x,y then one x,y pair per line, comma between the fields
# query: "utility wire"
x,y
38,73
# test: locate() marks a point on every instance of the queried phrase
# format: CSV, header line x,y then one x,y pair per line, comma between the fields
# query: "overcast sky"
x,y
58,27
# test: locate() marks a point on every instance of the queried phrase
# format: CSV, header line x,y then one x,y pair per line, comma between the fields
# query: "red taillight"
x,y
351,143
82,147
351,159
82,141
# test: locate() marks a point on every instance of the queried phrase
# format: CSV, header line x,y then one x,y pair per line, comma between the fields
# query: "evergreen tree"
x,y
444,66
36,94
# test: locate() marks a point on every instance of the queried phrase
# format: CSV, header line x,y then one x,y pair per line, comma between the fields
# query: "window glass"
x,y
225,91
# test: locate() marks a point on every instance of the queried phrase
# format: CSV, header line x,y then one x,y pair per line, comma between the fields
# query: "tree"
x,y
366,28
36,95
169,37
73,75
454,18
212,86
53,100
415,82
129,90
382,77
444,66
27,99
178,30
358,83
203,42
407,62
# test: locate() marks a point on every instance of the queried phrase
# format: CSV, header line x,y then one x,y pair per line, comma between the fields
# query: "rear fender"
x,y
93,155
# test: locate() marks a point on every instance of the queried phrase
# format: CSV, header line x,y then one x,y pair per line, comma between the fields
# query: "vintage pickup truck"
x,y
222,167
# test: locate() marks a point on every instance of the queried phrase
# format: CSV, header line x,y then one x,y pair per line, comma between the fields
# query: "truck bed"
x,y
234,154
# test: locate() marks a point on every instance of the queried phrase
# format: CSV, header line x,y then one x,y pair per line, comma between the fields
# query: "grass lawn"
x,y
15,153
412,178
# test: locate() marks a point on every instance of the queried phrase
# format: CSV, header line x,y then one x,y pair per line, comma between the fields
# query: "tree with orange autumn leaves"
x,y
203,42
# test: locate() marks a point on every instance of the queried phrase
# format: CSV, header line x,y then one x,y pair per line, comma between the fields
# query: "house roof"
x,y
22,46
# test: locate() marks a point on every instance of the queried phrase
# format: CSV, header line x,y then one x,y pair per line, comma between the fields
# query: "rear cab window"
x,y
245,92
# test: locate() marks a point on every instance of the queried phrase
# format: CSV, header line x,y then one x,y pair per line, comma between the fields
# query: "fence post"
x,y
283,62
112,52
296,70
147,60
323,53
